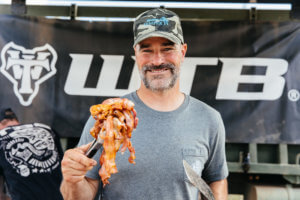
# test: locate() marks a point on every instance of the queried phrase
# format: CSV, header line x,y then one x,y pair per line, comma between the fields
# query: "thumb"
x,y
85,147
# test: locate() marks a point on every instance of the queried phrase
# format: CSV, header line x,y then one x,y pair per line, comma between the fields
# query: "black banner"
x,y
52,71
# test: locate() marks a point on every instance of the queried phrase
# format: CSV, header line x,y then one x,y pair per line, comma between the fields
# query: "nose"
x,y
158,58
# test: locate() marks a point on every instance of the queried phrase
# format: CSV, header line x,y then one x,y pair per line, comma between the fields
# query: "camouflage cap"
x,y
158,22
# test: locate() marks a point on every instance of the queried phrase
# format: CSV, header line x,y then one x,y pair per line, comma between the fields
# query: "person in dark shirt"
x,y
30,156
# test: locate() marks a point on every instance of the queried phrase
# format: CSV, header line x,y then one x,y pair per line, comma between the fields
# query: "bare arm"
x,y
219,189
74,167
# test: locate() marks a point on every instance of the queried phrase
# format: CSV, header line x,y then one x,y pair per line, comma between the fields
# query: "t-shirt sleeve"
x,y
85,138
216,167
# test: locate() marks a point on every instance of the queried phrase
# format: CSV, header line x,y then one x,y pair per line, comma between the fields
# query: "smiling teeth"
x,y
162,70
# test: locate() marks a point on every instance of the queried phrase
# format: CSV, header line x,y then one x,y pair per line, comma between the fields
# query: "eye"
x,y
167,49
146,50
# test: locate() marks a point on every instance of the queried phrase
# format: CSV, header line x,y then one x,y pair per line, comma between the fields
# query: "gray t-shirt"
x,y
193,132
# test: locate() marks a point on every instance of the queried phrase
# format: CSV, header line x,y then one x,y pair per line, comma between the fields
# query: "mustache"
x,y
161,66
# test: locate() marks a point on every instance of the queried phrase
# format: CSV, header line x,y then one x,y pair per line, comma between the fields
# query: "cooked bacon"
x,y
115,121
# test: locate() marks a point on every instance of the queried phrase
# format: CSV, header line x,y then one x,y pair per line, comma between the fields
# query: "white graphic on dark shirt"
x,y
30,150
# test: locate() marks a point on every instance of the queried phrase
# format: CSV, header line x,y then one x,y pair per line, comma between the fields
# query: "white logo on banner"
x,y
108,78
27,69
293,95
230,78
110,73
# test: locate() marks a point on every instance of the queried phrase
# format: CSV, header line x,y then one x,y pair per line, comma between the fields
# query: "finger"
x,y
84,160
72,165
73,179
85,147
73,172
78,157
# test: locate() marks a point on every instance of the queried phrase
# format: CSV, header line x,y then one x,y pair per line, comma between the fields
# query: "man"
x,y
30,156
172,127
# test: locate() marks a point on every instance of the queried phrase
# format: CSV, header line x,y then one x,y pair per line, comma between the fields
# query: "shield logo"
x,y
27,69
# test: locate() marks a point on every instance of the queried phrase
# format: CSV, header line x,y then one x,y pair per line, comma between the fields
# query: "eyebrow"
x,y
143,46
169,43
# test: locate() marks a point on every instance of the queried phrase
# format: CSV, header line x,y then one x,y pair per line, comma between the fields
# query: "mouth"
x,y
158,70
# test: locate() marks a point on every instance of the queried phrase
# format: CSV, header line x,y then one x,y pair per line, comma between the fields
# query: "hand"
x,y
75,164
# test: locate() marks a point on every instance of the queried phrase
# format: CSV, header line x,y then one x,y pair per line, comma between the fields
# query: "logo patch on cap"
x,y
157,22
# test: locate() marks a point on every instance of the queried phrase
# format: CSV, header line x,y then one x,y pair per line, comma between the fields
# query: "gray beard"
x,y
165,84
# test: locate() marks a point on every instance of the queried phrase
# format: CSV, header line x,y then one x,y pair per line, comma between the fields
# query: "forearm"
x,y
84,189
219,189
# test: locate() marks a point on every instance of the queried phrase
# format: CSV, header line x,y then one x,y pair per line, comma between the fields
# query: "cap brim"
x,y
157,34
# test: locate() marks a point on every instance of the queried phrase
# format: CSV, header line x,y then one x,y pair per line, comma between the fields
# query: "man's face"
x,y
159,60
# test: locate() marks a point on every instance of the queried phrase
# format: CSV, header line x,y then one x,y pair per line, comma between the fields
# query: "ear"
x,y
183,51
136,48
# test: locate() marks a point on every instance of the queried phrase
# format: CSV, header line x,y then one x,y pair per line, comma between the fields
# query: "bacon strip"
x,y
115,121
